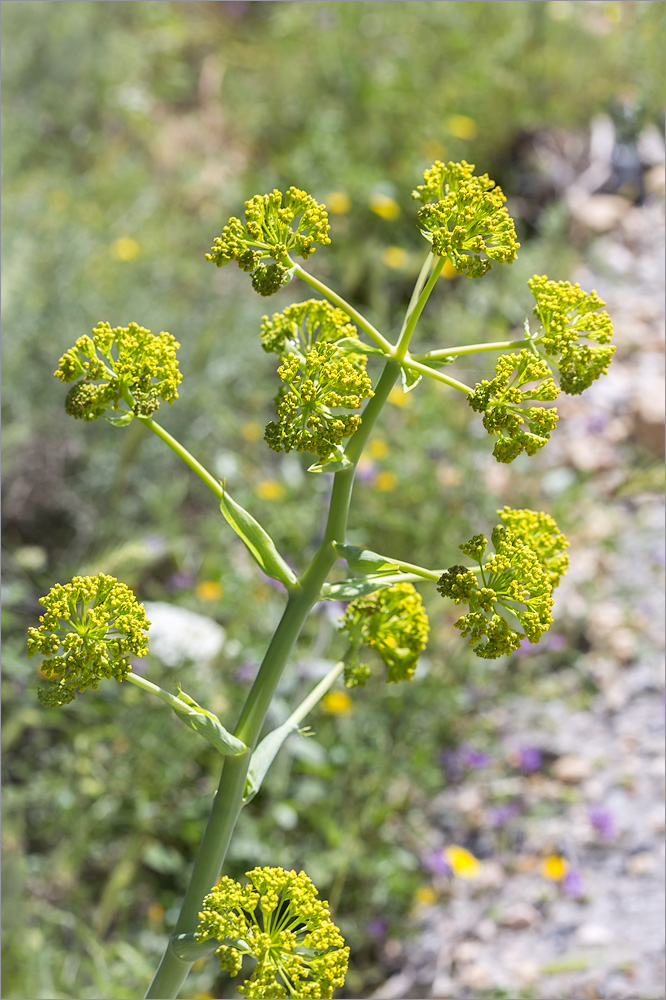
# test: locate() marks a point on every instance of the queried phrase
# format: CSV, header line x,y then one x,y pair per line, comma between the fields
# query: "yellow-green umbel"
x,y
275,226
465,219
576,332
278,920
510,595
90,629
519,378
122,372
393,622
316,386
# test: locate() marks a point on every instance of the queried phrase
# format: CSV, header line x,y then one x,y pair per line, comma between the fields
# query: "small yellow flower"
x,y
338,202
554,867
337,703
209,590
425,895
125,248
398,397
463,863
155,912
378,448
384,206
448,271
252,431
395,258
462,127
269,489
386,482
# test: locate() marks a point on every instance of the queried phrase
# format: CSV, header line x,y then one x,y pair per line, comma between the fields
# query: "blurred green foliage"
x,y
130,133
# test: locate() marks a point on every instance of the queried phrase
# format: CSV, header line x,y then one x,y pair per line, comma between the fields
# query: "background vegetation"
x,y
130,133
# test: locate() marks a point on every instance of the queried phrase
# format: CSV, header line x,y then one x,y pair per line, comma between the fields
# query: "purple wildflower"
x,y
180,580
530,759
436,863
377,927
602,821
503,814
474,759
572,884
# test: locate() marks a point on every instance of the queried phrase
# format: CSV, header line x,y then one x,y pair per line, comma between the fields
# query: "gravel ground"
x,y
594,794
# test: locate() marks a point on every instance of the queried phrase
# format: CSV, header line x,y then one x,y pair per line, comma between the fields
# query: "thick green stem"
x,y
227,804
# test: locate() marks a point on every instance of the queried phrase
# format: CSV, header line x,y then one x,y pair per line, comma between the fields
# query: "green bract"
x,y
391,621
464,218
316,384
576,334
91,627
278,920
124,370
518,378
510,596
271,232
301,326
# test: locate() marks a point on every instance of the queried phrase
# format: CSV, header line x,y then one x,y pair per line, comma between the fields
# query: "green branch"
x,y
360,320
183,453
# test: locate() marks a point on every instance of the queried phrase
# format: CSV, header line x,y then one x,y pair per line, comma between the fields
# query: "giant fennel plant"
x,y
327,406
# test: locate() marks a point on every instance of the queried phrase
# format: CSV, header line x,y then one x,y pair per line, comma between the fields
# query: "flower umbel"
x,y
300,327
124,370
465,219
575,333
519,378
277,919
270,232
512,600
394,623
316,384
91,627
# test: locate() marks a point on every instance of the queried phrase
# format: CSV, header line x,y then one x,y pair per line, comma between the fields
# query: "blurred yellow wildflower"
x,y
209,590
462,862
378,448
155,912
448,270
398,397
121,744
386,482
338,202
462,127
252,431
384,206
395,258
554,867
425,895
125,248
269,489
337,703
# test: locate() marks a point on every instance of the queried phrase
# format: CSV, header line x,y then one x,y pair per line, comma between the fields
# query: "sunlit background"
x,y
131,132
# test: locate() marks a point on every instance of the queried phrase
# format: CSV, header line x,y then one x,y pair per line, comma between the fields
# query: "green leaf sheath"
x,y
228,801
258,542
